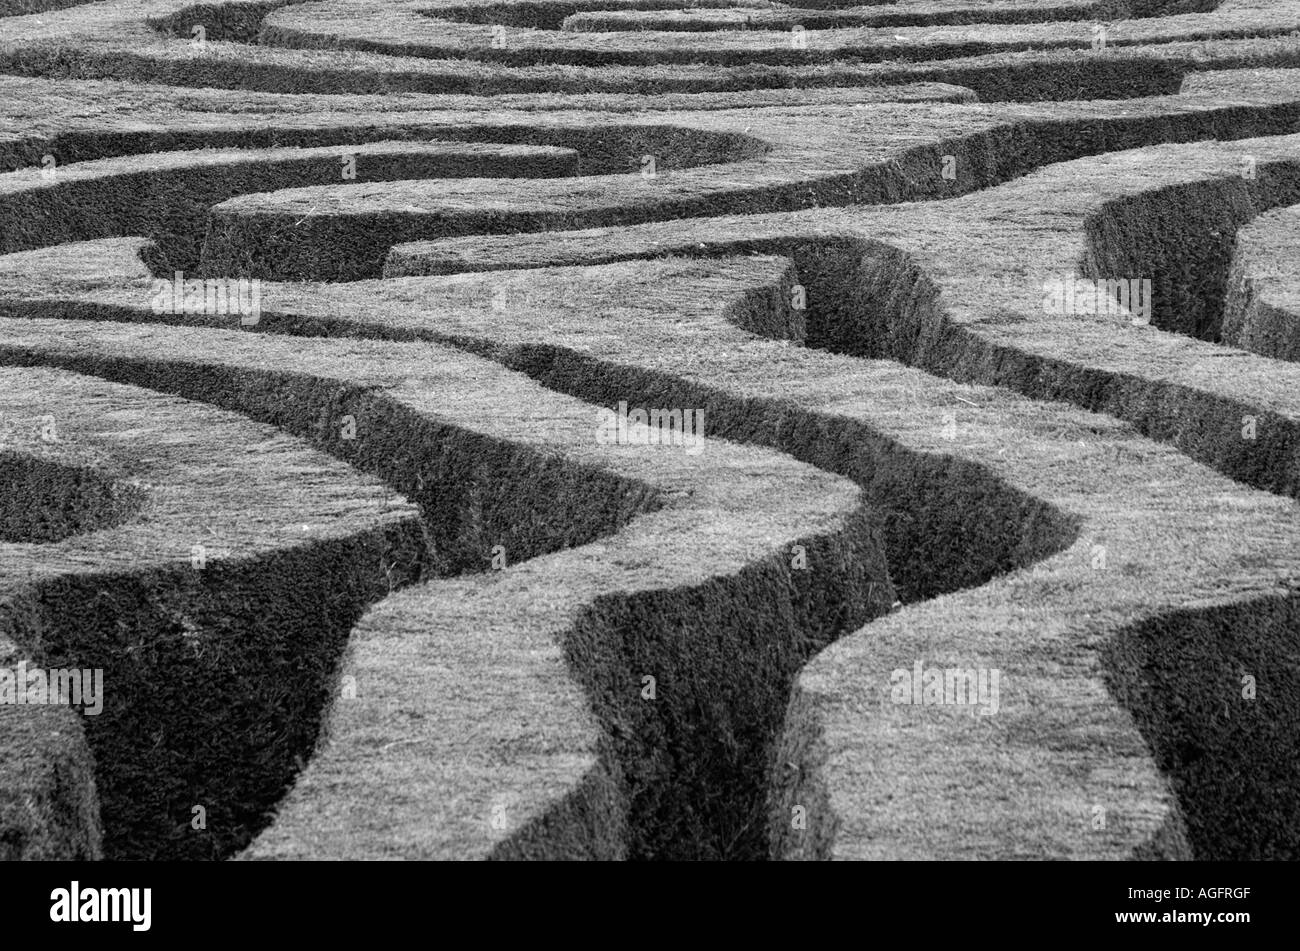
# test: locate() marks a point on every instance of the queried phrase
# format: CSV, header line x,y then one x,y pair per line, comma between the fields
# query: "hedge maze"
x,y
634,429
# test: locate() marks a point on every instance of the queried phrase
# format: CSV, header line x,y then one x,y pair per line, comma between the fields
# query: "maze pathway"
x,y
983,313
